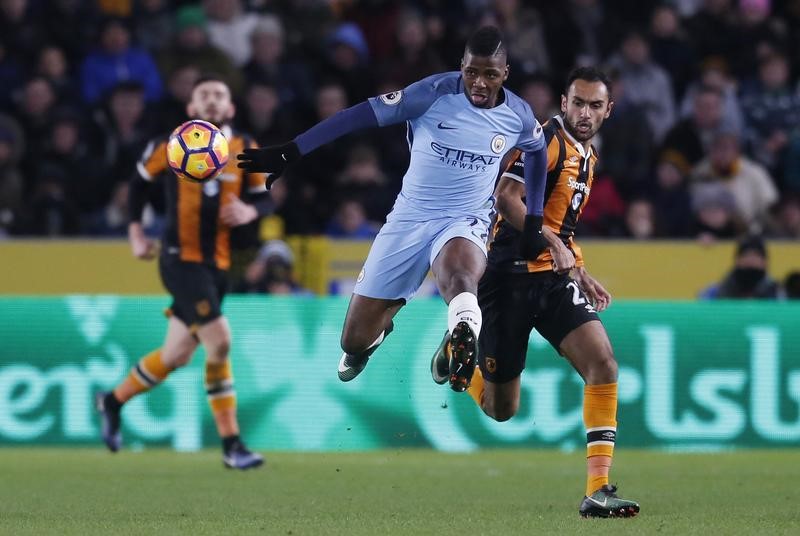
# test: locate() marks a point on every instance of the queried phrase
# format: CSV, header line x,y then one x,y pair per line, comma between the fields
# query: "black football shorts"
x,y
197,289
514,304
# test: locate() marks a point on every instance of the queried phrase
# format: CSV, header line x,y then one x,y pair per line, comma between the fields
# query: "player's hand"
x,y
596,293
272,160
563,259
144,248
532,242
236,212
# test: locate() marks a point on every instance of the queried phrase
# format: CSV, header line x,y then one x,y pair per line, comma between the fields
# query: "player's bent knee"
x,y
218,351
604,369
501,410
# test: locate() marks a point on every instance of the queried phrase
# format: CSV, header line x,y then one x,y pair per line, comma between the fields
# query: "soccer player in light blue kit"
x,y
460,124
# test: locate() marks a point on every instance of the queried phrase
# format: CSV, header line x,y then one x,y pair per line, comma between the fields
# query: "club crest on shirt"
x,y
537,131
392,99
498,143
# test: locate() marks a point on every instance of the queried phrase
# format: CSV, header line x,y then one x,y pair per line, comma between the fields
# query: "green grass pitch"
x,y
89,491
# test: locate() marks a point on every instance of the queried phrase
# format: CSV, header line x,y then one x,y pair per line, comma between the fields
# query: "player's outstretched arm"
x,y
533,242
275,158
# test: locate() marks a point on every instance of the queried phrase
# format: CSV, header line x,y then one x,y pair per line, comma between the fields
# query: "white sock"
x,y
464,307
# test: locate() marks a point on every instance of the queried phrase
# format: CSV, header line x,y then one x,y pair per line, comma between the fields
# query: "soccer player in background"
x,y
517,295
459,126
193,264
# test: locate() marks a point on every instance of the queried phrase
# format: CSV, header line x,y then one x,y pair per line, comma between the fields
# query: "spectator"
x,y
52,65
670,47
690,140
791,286
757,32
11,186
265,118
11,75
153,24
116,61
191,46
51,211
538,93
749,278
125,129
748,181
111,220
348,56
524,32
646,83
715,215
350,221
626,142
230,29
714,75
34,113
640,222
712,30
272,271
363,180
414,58
787,219
268,65
172,110
771,111
671,199
66,148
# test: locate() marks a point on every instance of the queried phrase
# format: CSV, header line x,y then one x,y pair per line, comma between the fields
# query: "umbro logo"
x,y
442,126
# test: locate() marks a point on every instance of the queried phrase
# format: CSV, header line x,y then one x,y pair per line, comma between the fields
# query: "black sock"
x,y
229,442
111,403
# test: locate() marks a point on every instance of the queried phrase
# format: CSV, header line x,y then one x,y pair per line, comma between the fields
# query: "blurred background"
x,y
696,196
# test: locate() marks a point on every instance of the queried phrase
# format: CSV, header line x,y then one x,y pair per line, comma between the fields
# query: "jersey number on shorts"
x,y
577,299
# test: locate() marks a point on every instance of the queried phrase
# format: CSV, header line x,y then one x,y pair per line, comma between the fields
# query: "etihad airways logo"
x,y
461,159
575,185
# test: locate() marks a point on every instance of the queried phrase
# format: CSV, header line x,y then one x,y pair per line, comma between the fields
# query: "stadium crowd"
x,y
703,140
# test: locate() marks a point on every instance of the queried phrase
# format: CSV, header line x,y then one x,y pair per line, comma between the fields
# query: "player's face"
x,y
211,101
483,78
585,107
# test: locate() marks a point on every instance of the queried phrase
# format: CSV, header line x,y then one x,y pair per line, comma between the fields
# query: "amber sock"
x,y
222,397
475,389
147,373
600,420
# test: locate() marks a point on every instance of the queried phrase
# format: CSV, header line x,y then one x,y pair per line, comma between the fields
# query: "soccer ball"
x,y
197,151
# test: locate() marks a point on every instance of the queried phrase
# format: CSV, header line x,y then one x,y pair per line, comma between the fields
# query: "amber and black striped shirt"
x,y
569,181
193,229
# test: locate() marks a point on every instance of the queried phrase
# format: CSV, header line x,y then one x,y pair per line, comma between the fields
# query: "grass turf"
x,y
89,491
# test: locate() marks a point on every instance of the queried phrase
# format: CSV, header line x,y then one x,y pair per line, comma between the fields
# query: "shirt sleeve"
x,y
153,161
413,101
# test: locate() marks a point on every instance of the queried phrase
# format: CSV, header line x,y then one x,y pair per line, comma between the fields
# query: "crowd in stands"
x,y
703,141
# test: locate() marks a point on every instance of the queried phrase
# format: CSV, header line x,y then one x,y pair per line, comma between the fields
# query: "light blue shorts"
x,y
404,251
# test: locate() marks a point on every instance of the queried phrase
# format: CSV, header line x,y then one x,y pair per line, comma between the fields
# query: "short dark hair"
x,y
588,74
210,77
486,41
751,243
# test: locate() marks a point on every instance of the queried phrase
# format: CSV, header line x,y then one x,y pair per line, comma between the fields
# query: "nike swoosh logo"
x,y
284,157
442,126
459,368
342,366
595,501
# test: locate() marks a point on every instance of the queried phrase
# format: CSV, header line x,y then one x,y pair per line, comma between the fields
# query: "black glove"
x,y
532,242
272,160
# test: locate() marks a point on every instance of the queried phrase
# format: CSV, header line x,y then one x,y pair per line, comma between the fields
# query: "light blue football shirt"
x,y
455,146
